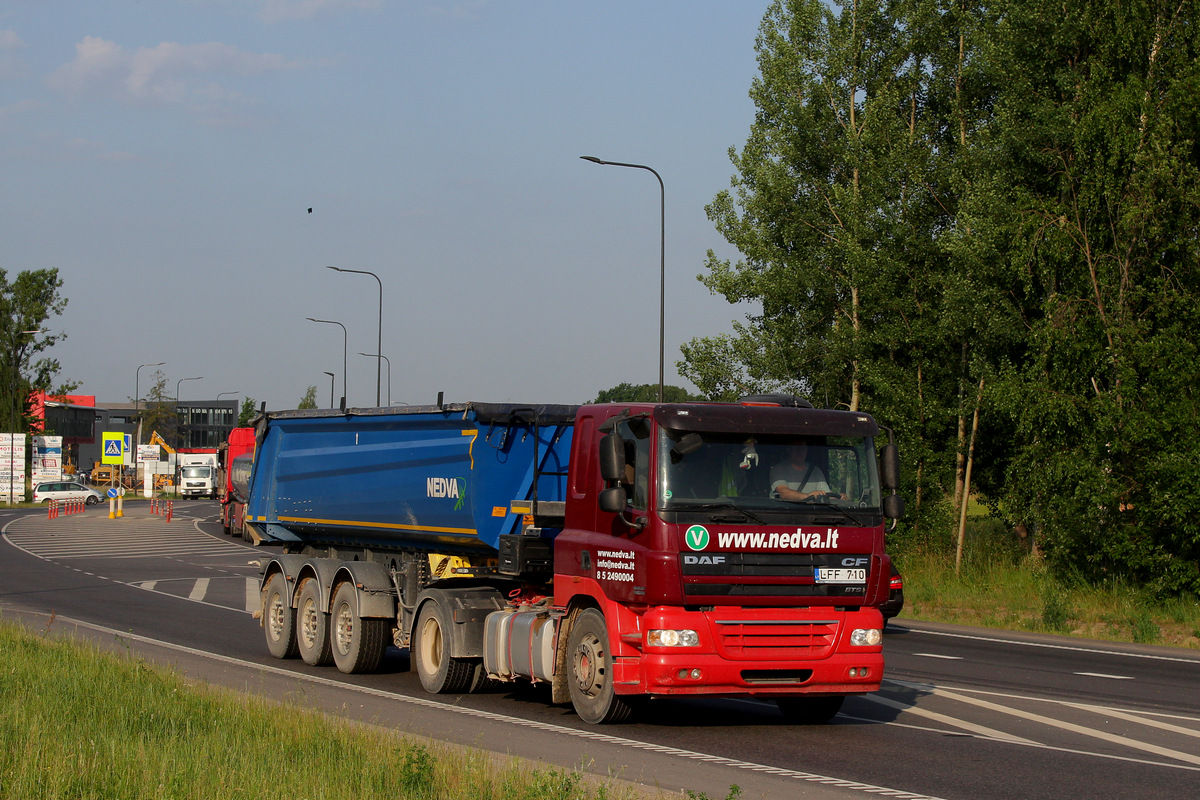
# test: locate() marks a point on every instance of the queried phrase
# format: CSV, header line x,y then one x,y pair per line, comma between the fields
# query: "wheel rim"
x,y
308,622
431,646
588,662
345,628
275,617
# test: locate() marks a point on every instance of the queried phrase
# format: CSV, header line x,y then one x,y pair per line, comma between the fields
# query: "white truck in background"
x,y
197,474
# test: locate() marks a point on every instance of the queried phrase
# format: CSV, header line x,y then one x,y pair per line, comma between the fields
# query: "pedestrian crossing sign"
x,y
114,448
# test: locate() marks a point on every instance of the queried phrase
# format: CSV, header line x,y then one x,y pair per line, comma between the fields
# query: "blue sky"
x,y
163,155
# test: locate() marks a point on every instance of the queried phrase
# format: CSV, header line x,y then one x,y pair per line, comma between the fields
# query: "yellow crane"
x,y
162,481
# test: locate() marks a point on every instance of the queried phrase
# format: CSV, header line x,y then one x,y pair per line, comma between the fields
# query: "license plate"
x,y
839,575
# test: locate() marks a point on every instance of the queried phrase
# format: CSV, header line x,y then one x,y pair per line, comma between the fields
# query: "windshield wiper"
x,y
726,503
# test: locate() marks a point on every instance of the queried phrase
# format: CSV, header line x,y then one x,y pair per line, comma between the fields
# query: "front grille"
x,y
776,639
734,575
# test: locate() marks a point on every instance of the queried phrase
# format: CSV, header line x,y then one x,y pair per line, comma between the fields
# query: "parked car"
x,y
895,601
65,490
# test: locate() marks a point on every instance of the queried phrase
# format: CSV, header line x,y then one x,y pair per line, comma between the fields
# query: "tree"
x,y
158,412
25,304
1096,139
843,191
310,398
953,210
246,412
644,393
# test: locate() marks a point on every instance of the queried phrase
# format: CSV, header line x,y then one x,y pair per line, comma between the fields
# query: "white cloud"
x,y
169,73
11,63
284,10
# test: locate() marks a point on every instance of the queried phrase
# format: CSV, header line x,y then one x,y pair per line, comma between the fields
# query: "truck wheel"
x,y
590,676
358,643
312,626
279,618
430,653
810,710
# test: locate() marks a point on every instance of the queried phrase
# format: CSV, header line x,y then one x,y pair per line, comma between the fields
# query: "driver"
x,y
796,478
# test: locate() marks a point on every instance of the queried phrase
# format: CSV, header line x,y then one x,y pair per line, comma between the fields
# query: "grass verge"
x,y
998,592
76,721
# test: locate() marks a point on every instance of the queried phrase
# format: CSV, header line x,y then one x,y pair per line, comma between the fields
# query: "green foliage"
x,y
62,735
644,393
27,302
995,205
158,410
735,792
246,412
310,398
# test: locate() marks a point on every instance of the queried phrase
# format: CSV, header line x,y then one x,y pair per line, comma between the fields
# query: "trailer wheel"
x,y
279,618
810,710
440,673
312,626
358,643
590,677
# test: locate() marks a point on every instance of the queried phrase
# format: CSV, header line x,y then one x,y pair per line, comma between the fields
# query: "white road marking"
x,y
199,590
1153,723
1124,741
253,598
981,730
1049,646
1102,675
939,655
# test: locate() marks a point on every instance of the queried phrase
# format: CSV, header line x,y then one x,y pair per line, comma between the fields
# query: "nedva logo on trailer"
x,y
447,487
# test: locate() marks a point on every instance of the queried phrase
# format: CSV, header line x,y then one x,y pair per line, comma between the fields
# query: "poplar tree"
x,y
1096,137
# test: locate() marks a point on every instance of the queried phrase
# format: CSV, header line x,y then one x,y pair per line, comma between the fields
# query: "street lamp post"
x,y
378,356
137,397
181,380
332,380
344,351
662,268
379,344
233,416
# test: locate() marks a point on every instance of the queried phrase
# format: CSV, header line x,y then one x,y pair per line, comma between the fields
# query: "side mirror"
x,y
612,458
889,468
612,501
893,506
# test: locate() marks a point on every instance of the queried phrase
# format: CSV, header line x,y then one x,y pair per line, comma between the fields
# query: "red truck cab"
x,y
701,577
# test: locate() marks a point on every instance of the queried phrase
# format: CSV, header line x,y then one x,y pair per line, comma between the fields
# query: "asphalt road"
x,y
964,713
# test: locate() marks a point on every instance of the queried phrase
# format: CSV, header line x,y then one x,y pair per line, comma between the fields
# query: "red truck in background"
x,y
235,457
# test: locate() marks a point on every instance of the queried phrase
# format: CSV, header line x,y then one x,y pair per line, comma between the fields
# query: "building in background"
x,y
201,425
205,424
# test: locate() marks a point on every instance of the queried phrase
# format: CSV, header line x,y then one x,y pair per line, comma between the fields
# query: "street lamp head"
x,y
593,159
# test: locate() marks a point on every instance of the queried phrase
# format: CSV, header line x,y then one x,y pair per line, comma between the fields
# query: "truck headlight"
x,y
670,638
866,637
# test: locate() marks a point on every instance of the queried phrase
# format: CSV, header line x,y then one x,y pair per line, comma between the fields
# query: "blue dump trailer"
x,y
611,551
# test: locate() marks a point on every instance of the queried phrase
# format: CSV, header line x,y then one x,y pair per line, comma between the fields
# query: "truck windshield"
x,y
196,472
764,474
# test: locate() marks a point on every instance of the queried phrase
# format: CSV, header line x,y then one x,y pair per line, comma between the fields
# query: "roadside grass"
x,y
998,586
76,721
